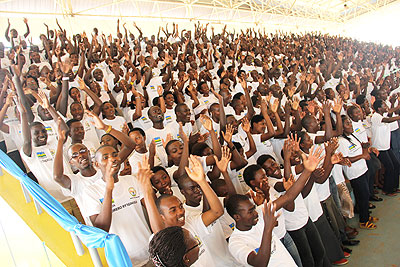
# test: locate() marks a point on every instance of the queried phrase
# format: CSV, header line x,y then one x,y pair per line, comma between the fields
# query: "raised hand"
x,y
336,158
144,175
227,135
95,120
160,90
81,82
258,196
206,122
295,142
196,171
287,183
270,218
275,105
225,159
65,66
111,170
337,106
295,103
331,146
166,141
44,101
311,162
245,125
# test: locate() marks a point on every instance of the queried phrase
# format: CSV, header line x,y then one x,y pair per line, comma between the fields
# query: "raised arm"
x,y
27,28
185,154
143,177
310,163
58,166
128,144
270,126
262,257
103,219
62,102
223,167
196,173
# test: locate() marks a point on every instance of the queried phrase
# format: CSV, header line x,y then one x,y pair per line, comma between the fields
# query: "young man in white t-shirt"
x,y
113,203
380,126
80,159
168,210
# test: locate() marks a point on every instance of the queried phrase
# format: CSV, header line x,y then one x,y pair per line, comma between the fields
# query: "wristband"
x,y
109,129
65,78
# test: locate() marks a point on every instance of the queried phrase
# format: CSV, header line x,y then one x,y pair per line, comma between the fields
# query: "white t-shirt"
x,y
196,227
90,131
263,147
78,186
143,122
380,132
242,243
151,88
136,157
126,209
296,219
215,239
359,131
352,149
41,164
117,123
169,116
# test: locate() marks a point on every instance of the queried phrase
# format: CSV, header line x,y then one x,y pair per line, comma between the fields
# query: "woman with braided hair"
x,y
174,246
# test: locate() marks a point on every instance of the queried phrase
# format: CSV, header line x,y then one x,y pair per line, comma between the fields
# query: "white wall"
x,y
380,26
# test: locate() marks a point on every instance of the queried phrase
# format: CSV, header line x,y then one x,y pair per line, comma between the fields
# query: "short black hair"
x,y
159,168
35,123
232,203
256,119
360,99
169,144
263,158
250,172
138,130
71,121
377,104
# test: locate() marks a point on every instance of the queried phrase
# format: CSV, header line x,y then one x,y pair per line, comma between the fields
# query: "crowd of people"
x,y
207,149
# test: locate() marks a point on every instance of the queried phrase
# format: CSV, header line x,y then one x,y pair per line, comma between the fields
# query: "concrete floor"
x,y
379,247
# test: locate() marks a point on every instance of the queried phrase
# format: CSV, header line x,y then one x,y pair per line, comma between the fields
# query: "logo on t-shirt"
x,y
352,146
132,191
232,226
158,141
168,118
41,154
49,129
357,130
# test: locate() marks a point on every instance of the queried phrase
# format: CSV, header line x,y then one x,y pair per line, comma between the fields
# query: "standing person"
x,y
380,127
114,202
357,173
252,242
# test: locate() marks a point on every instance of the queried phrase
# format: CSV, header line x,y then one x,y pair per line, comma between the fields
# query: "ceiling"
x,y
222,11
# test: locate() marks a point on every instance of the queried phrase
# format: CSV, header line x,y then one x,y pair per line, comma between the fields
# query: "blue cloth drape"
x,y
93,237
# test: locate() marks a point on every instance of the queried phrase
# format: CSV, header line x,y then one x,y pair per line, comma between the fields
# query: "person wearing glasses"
x,y
80,159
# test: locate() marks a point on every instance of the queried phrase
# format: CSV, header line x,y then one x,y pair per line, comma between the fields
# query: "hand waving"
x,y
196,171
226,157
